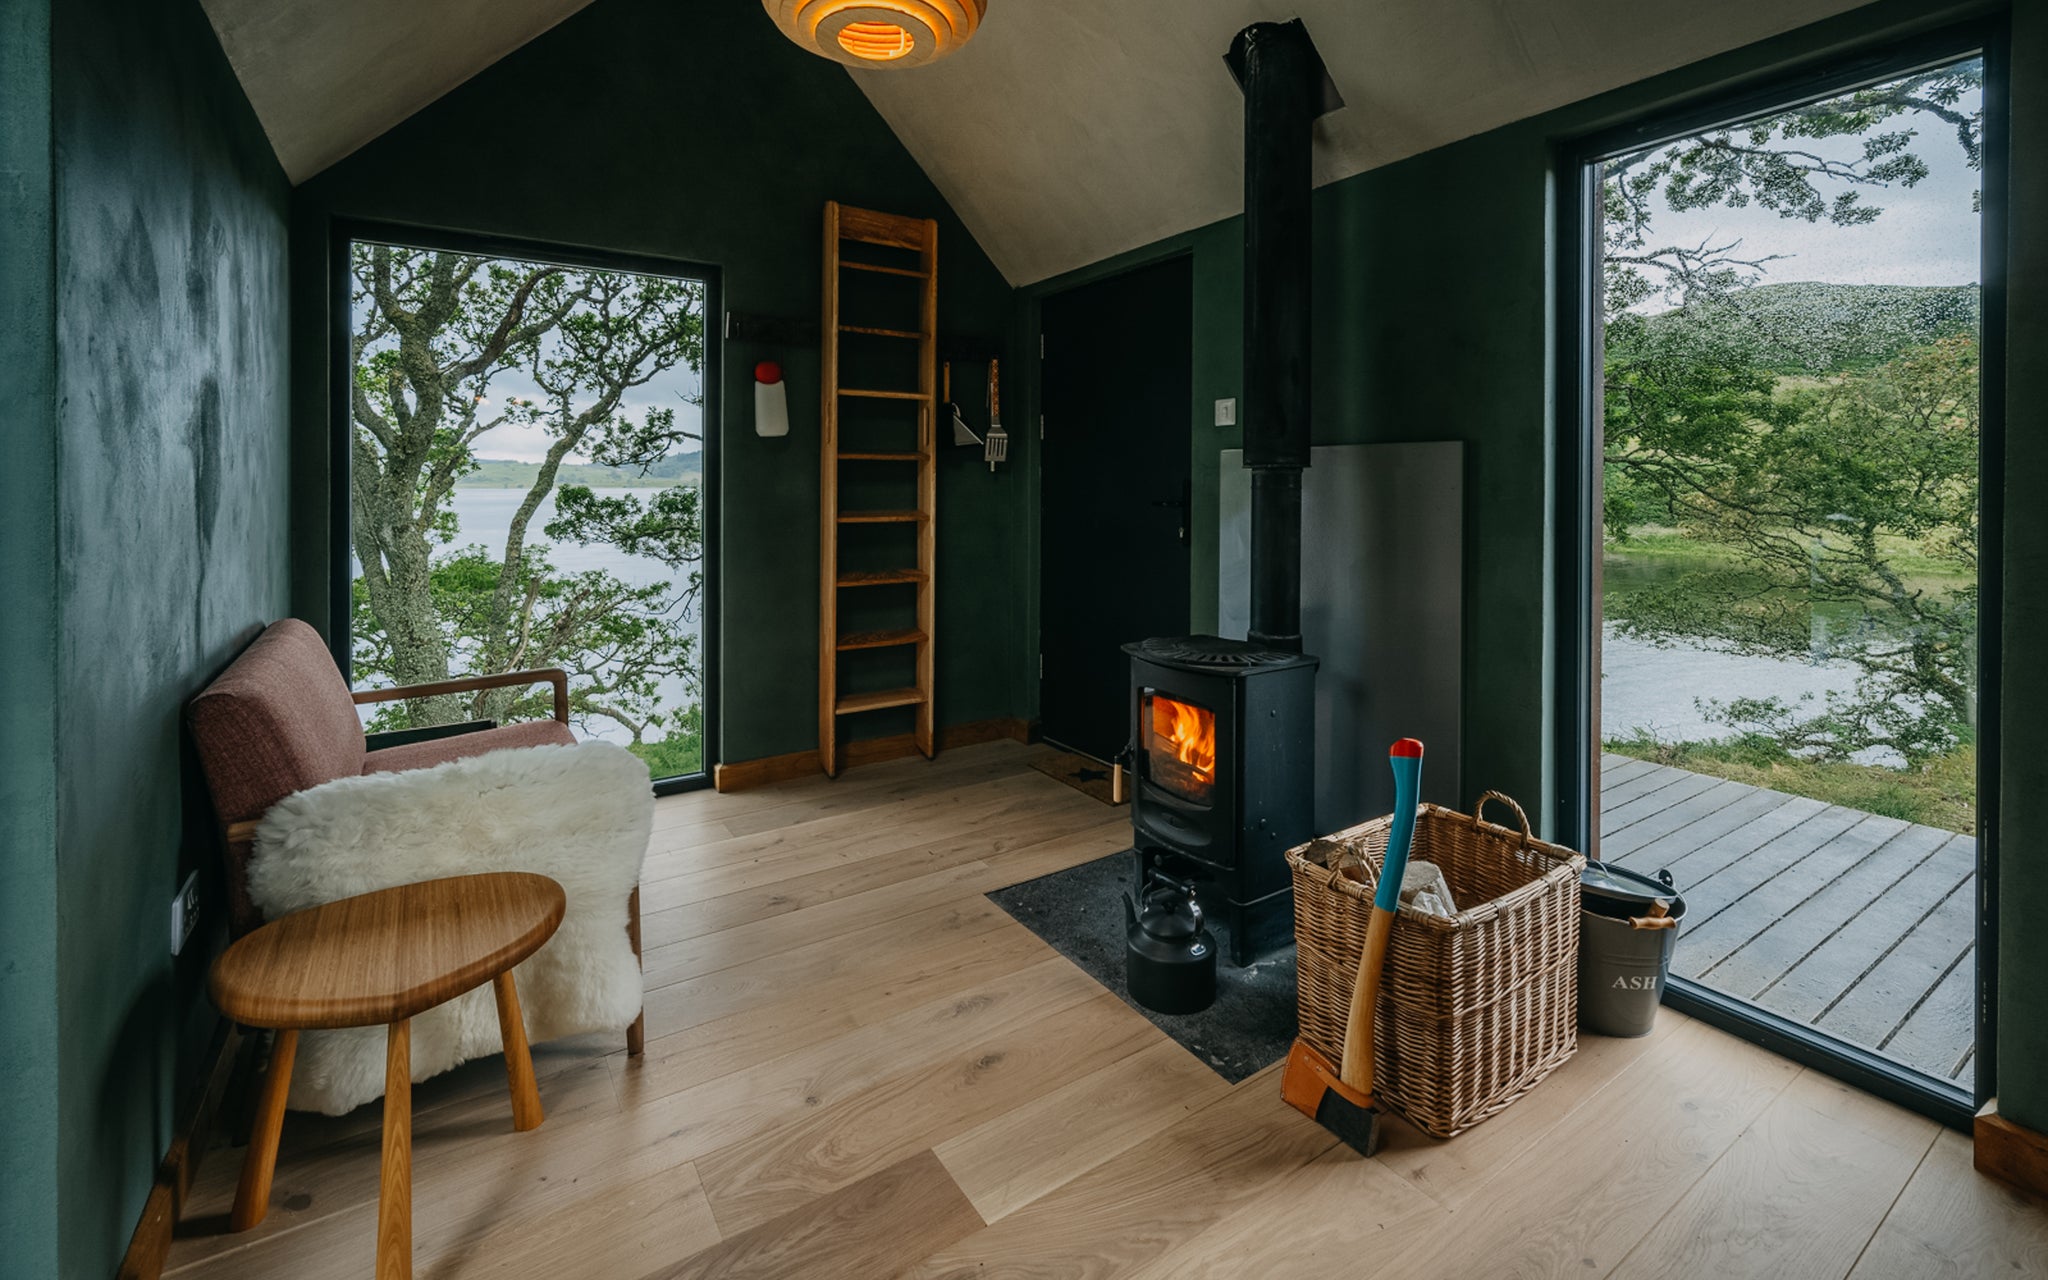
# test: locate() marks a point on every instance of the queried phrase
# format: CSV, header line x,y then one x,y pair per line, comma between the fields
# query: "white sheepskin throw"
x,y
580,814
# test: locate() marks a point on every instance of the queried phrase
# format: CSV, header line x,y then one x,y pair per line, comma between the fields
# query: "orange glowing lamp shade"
x,y
878,33
1182,745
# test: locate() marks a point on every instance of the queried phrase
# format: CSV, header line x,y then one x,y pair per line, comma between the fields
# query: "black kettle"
x,y
1169,958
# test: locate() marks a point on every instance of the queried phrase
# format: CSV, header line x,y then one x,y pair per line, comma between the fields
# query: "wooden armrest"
x,y
470,684
242,832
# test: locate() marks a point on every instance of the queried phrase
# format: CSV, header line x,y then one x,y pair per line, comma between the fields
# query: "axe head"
x,y
1310,1085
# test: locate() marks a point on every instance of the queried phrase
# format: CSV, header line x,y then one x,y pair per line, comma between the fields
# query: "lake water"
x,y
1647,688
485,516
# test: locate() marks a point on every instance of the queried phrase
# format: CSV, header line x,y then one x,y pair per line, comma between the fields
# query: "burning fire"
x,y
1188,734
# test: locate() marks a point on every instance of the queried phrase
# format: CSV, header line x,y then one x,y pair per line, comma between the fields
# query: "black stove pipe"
x,y
1285,88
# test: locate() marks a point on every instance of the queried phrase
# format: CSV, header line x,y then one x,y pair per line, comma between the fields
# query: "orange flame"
x,y
1188,733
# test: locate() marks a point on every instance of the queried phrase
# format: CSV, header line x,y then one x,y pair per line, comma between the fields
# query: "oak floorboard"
x,y
885,1074
1011,1159
1797,1196
1953,1223
873,1228
751,1182
1129,1210
1578,1202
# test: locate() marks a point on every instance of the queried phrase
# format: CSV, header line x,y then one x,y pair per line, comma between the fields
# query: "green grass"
x,y
1944,794
676,756
1907,555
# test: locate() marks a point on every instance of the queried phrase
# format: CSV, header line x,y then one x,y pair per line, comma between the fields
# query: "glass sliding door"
x,y
527,488
1783,607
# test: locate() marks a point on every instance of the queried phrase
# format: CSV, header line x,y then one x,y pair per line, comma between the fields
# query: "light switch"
x,y
1226,413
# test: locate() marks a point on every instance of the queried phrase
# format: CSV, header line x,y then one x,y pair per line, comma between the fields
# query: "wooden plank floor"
x,y
1863,926
858,1067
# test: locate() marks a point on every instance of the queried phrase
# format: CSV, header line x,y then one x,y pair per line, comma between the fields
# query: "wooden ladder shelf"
x,y
921,236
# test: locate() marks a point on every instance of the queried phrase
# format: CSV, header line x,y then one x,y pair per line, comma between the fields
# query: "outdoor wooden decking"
x,y
1860,925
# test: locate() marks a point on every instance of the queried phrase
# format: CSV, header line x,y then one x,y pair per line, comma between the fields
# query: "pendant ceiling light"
x,y
878,33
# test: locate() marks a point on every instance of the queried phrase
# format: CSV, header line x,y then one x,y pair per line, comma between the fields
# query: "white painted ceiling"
x,y
1067,130
326,76
1070,130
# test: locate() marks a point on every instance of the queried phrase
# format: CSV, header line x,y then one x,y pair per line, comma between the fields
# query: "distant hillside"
x,y
1825,328
508,473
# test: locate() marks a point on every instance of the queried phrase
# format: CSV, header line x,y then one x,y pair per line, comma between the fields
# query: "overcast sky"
x,y
1927,235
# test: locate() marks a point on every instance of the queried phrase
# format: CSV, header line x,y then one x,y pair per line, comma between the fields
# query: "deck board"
x,y
1855,923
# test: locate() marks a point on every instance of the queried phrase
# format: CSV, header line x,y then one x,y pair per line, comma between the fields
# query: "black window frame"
x,y
343,233
1579,480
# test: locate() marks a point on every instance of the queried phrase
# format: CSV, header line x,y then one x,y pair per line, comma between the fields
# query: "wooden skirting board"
x,y
801,764
151,1243
2010,1153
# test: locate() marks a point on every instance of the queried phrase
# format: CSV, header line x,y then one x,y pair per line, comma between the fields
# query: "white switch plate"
x,y
184,913
1226,413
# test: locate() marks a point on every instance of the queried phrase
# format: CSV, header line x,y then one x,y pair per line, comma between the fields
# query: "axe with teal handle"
x,y
1406,758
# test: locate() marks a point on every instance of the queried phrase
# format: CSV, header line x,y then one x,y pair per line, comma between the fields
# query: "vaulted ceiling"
x,y
1068,130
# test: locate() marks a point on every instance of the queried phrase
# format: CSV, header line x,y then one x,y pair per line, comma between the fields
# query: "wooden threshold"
x,y
881,639
2010,1152
853,703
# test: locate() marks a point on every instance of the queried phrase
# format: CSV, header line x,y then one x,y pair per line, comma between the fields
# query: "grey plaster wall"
x,y
171,460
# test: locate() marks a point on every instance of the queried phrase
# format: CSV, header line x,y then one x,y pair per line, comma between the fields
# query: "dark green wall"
x,y
2023,870
28,648
1433,321
718,142
170,439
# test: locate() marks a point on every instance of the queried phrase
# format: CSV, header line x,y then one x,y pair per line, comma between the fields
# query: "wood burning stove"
x,y
1223,776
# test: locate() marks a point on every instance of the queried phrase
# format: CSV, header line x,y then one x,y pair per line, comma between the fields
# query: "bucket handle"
x,y
1521,818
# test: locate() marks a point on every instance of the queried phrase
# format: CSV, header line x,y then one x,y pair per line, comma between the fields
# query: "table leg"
x,y
394,1192
526,1109
252,1197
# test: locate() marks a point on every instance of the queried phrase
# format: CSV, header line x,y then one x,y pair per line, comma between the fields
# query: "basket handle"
x,y
1522,819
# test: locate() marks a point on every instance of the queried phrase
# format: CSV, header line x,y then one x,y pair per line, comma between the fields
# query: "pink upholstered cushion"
x,y
277,721
420,755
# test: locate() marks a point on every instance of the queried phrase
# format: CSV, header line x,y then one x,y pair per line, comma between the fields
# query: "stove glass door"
x,y
1179,746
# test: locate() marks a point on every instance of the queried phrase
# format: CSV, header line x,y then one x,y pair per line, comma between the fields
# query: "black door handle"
x,y
1183,504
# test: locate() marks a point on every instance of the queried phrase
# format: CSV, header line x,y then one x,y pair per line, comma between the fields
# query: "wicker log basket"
x,y
1475,1009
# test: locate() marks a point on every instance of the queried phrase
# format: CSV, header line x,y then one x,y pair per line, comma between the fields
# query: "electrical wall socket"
x,y
1226,413
184,913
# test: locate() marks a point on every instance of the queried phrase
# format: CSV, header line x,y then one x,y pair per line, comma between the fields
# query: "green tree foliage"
x,y
434,332
1820,447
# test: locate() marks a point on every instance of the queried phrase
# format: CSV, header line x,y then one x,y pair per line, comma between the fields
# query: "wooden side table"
x,y
383,958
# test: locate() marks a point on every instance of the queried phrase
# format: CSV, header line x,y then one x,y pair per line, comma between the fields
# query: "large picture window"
x,y
1784,558
527,487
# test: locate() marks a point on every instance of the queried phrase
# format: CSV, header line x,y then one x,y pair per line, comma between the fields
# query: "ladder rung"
x,y
872,456
884,395
882,577
898,231
881,517
853,702
882,333
887,271
880,639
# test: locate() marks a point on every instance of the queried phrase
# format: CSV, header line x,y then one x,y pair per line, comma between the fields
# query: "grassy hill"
x,y
508,473
1808,328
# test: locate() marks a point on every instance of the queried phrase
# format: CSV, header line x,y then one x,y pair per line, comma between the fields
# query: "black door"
x,y
1114,491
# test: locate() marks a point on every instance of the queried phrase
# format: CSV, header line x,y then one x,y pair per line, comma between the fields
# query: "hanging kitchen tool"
x,y
962,433
996,447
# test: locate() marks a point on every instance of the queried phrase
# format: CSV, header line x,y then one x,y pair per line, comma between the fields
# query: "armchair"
x,y
281,720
